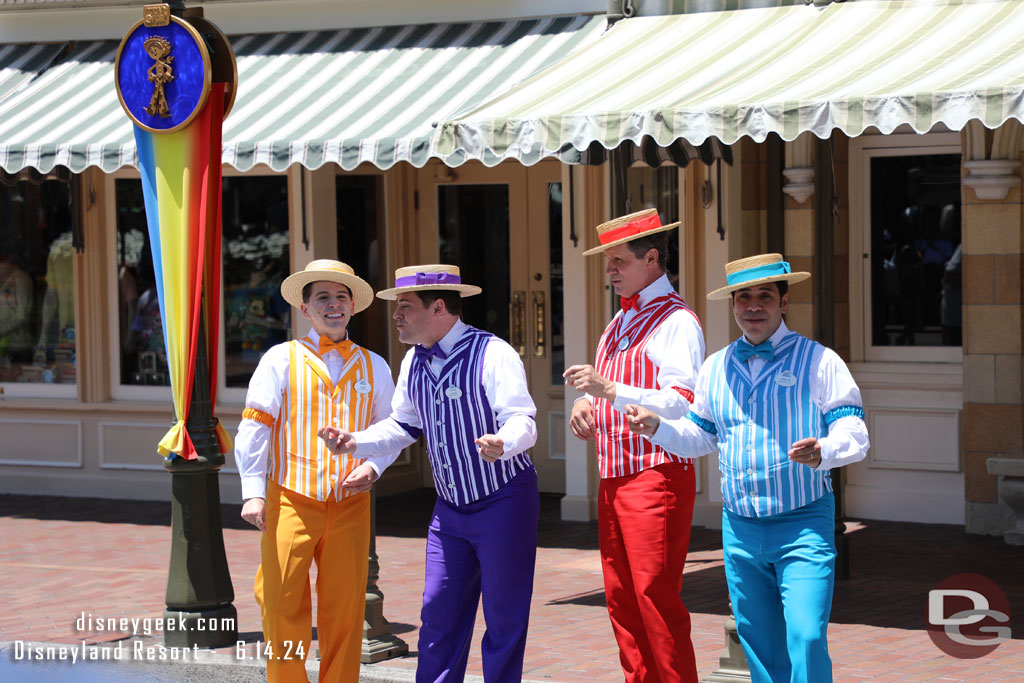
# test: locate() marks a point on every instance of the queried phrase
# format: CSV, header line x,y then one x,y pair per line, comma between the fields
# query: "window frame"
x,y
863,149
46,390
127,392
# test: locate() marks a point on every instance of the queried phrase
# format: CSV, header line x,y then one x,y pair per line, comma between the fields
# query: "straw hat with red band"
x,y
434,276
329,271
627,228
756,270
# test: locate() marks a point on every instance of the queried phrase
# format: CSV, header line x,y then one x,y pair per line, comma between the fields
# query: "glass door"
x,y
502,227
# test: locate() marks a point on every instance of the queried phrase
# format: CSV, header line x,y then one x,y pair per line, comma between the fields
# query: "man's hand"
x,y
491,447
806,452
582,421
338,440
360,479
641,421
587,381
254,511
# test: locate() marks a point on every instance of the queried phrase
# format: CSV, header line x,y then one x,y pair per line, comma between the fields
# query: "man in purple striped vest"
x,y
648,355
465,390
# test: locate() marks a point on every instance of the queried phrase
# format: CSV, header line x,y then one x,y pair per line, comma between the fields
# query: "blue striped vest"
x,y
454,411
758,422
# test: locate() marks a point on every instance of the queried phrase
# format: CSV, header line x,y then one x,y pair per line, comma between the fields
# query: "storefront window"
x,y
361,245
254,262
37,296
915,250
143,354
255,229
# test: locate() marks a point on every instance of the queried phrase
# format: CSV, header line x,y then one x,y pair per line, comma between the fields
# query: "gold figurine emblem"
x,y
159,74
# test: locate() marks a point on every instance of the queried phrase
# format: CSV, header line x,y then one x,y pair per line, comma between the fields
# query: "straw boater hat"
x,y
626,228
756,270
419,278
331,271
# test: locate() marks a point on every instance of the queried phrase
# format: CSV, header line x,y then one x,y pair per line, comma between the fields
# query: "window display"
x,y
37,304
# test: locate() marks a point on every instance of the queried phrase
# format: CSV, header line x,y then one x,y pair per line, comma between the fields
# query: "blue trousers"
x,y
488,547
781,571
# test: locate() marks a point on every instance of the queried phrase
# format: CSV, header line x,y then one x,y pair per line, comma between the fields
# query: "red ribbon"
x,y
632,228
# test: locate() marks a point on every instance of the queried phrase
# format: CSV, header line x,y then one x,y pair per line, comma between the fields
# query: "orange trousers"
x,y
336,535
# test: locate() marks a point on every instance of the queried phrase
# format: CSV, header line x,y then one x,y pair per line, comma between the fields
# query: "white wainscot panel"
x,y
915,439
41,443
131,445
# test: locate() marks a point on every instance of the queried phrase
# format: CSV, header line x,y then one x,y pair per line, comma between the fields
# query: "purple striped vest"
x,y
454,411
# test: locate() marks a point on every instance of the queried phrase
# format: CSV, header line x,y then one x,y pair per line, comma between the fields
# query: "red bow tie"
x,y
344,347
630,302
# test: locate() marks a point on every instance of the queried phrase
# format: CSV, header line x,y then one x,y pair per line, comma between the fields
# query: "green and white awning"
x,y
752,72
368,95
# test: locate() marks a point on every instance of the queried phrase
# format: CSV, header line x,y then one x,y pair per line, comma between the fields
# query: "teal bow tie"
x,y
745,350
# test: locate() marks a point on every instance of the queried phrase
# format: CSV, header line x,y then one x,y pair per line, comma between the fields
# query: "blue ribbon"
x,y
420,279
758,272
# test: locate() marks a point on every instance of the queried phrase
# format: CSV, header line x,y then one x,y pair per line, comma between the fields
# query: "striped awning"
x,y
751,72
345,96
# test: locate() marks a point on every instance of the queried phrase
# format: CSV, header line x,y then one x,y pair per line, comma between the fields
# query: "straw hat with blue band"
x,y
628,228
756,270
433,276
329,271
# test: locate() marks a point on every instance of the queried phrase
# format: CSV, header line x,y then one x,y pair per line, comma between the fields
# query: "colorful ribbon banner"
x,y
181,184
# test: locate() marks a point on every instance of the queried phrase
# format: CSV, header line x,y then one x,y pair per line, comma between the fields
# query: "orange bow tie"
x,y
344,347
628,302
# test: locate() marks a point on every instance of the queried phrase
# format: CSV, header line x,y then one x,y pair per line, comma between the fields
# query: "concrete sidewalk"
x,y
63,558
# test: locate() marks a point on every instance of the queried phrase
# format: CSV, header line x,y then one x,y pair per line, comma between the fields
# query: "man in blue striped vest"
x,y
465,390
782,411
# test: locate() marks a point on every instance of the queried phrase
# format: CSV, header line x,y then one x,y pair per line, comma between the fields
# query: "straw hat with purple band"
x,y
331,271
436,276
756,270
626,228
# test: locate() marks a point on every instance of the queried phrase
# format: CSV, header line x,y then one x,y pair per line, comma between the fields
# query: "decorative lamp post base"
x,y
378,641
732,665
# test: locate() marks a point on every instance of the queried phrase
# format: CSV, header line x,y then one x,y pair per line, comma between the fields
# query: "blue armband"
x,y
707,425
843,411
414,432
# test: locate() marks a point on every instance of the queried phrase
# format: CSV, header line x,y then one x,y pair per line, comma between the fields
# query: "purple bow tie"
x,y
425,354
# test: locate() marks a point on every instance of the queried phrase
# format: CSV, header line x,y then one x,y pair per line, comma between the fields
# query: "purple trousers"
x,y
488,547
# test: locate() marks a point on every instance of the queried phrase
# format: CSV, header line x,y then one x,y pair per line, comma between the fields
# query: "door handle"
x,y
539,333
517,322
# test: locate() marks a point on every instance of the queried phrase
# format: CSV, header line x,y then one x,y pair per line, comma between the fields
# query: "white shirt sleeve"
x,y
683,436
834,389
386,438
504,380
383,395
252,442
677,348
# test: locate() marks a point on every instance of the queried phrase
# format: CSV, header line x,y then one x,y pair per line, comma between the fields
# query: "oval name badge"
x,y
624,344
362,386
785,378
453,393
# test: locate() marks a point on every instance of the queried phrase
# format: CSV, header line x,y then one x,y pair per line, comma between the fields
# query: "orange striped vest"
x,y
298,459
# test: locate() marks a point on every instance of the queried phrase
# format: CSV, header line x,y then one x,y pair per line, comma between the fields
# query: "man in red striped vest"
x,y
649,355
312,505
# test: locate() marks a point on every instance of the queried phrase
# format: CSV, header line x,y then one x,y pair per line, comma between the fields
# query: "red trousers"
x,y
644,529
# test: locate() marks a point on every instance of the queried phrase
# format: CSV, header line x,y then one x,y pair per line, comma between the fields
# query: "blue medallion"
x,y
163,75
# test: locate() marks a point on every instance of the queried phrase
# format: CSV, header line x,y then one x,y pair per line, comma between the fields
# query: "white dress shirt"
x,y
267,386
676,347
832,386
504,380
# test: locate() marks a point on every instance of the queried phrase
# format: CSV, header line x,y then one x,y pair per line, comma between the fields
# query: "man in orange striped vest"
x,y
310,504
649,355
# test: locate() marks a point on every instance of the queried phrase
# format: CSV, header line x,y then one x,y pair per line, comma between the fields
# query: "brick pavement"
x,y
61,557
